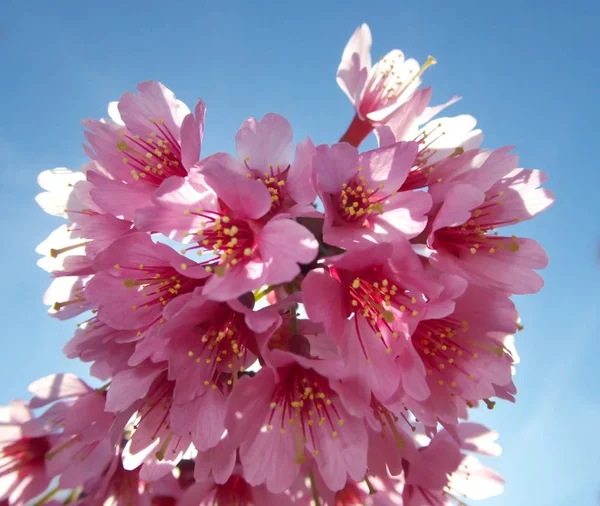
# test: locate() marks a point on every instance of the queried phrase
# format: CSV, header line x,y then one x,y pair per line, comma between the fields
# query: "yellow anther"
x,y
388,316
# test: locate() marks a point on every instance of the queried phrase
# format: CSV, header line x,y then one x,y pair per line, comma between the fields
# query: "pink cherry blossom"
x,y
136,279
445,472
440,140
23,449
296,415
464,354
122,486
463,238
155,445
108,349
158,138
359,193
264,150
83,447
383,288
344,313
375,91
246,248
210,343
71,249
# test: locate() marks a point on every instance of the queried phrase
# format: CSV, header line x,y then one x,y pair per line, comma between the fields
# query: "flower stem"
x,y
370,486
266,291
47,497
313,487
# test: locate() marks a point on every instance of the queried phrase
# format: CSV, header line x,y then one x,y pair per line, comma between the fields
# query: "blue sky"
x,y
526,70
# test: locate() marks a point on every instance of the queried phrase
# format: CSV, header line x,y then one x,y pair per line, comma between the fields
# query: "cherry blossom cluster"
x,y
293,324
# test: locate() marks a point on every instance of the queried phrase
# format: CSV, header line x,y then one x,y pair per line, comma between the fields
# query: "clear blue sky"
x,y
526,70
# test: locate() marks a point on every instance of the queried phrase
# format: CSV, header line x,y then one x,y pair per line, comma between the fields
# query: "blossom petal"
x,y
55,387
265,143
284,244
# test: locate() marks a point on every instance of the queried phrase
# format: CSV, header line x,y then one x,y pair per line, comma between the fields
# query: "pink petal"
x,y
343,456
169,212
356,61
404,213
258,321
388,166
401,121
333,166
243,418
270,458
478,438
414,381
366,357
283,244
204,417
323,300
122,199
509,271
460,200
236,281
154,101
130,385
192,130
246,196
265,142
299,179
54,387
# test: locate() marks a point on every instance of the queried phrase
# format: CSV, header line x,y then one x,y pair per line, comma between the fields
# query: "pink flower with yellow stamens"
x,y
360,194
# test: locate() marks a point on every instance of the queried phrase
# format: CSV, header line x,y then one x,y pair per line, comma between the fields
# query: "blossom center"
x,y
388,422
229,238
420,175
154,159
236,491
476,235
304,402
275,180
357,201
224,346
350,495
24,455
387,84
447,350
157,285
